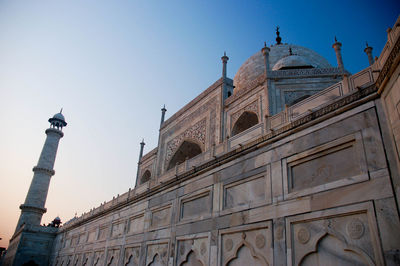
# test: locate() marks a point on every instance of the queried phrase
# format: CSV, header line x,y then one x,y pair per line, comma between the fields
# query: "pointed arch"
x,y
187,150
344,248
244,246
145,177
156,261
245,121
191,259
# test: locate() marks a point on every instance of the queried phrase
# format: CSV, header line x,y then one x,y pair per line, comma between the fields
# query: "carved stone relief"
x,y
250,245
132,256
335,240
252,107
157,254
98,258
193,251
197,132
86,259
113,257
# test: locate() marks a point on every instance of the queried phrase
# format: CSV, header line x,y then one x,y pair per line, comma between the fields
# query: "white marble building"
x,y
294,161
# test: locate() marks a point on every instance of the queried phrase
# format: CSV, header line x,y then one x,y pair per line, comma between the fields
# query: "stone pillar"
x,y
140,157
34,206
368,51
163,110
338,46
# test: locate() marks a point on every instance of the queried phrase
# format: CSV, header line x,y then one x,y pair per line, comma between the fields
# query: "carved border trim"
x,y
387,67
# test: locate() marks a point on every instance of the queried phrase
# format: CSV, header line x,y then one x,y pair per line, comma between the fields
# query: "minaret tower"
x,y
33,208
338,48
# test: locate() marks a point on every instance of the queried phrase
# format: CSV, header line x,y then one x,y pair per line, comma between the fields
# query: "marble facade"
x,y
315,180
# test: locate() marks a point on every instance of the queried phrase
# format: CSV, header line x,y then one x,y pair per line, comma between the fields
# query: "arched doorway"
x,y
186,151
245,121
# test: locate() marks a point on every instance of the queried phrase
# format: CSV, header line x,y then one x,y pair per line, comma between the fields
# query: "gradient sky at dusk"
x,y
112,65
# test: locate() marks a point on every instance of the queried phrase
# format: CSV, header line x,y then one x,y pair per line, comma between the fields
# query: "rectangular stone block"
x,y
197,205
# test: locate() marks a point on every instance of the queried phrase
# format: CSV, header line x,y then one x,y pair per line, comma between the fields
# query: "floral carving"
x,y
196,132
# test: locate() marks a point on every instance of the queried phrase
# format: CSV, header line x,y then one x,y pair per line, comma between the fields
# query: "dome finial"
x,y
335,39
290,51
62,108
265,44
278,38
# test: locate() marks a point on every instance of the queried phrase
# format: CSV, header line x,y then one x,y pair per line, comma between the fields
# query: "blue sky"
x,y
113,64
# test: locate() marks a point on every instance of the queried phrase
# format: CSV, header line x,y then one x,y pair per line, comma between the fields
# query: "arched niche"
x,y
187,150
145,177
245,121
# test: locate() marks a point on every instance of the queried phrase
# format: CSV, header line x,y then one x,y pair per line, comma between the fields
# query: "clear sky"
x,y
112,65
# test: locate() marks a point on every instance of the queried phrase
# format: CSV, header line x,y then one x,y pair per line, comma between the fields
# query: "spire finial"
x,y
224,53
62,108
366,43
265,44
278,38
290,51
335,39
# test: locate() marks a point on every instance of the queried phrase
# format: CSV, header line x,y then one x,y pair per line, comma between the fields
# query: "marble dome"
x,y
279,56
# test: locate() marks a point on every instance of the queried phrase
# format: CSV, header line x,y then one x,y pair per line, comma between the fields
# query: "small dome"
x,y
57,219
59,116
292,61
58,120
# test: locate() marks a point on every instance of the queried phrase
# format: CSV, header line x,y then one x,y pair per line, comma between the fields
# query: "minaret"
x,y
224,62
265,51
368,51
268,89
338,46
163,110
140,157
33,208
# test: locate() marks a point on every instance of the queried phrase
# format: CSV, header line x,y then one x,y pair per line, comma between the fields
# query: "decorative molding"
x,y
43,170
307,72
53,130
387,67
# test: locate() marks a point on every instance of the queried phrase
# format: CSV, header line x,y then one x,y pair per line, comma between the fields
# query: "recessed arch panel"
x,y
245,121
188,149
